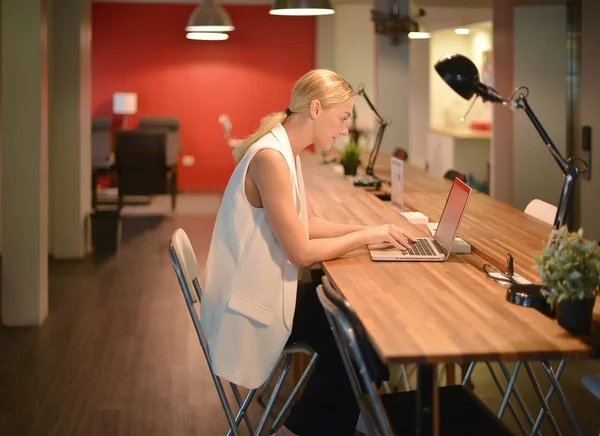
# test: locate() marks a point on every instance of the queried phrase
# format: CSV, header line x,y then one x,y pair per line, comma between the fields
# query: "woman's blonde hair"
x,y
323,85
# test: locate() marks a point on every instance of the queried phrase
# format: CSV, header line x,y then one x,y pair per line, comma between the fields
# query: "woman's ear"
x,y
315,108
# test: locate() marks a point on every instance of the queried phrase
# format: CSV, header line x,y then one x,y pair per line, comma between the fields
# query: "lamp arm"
x,y
566,196
521,102
361,92
370,169
570,171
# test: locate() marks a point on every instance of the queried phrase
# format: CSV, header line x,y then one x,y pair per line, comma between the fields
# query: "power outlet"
x,y
188,161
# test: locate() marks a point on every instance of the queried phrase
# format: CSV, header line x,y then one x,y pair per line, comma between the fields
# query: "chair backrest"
x,y
185,265
100,141
170,125
141,162
452,174
592,383
187,262
358,355
541,210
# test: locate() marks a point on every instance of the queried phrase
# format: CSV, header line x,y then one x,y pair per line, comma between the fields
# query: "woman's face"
x,y
331,123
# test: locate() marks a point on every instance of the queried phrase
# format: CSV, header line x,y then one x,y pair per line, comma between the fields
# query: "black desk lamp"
x,y
369,180
461,74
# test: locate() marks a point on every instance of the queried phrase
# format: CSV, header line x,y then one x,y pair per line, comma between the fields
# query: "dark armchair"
x,y
143,166
169,125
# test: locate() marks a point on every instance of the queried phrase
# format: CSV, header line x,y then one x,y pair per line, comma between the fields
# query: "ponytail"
x,y
267,124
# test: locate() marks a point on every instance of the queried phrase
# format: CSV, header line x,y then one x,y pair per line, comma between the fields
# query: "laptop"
x,y
439,247
432,227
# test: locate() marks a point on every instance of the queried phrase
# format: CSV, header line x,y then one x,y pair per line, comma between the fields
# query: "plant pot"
x,y
350,169
575,316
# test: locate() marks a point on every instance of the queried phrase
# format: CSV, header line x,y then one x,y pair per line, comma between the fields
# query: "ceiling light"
x,y
209,17
461,31
419,35
302,8
207,36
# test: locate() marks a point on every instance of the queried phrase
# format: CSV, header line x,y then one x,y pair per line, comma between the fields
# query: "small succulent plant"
x,y
351,154
569,267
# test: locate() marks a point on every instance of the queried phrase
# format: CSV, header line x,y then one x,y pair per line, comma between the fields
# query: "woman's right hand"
x,y
390,233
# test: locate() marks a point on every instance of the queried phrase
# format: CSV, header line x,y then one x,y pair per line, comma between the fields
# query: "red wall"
x,y
142,48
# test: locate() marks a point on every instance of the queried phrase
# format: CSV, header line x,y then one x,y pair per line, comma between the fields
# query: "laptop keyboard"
x,y
422,248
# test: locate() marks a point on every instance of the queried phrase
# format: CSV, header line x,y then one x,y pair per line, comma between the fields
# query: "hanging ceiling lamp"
x,y
302,7
209,17
207,36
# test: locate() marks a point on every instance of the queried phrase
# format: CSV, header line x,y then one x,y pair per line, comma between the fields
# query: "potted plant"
x,y
569,268
351,158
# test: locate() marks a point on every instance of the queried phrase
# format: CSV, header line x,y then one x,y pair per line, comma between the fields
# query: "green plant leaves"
x,y
569,267
351,154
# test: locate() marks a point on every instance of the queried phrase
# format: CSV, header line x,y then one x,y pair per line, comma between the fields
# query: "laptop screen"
x,y
456,203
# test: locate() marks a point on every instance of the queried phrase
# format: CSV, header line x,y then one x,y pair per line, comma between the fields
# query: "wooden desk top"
x,y
429,312
491,227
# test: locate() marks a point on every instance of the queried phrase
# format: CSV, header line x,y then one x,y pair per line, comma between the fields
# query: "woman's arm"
x,y
270,173
319,228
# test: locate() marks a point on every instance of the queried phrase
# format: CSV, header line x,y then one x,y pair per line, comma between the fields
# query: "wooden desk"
x,y
493,228
430,313
427,312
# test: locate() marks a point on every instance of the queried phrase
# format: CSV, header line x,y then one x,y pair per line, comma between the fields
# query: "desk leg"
x,y
559,393
541,398
427,401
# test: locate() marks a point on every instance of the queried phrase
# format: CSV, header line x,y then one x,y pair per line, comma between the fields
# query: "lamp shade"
x,y
124,103
207,36
209,17
460,73
302,7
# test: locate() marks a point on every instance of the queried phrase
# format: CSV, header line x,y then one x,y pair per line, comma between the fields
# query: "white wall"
x,y
540,63
69,126
418,121
590,116
24,163
481,41
354,53
346,44
446,106
325,41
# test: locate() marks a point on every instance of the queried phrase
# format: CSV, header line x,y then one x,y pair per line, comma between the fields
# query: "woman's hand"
x,y
390,233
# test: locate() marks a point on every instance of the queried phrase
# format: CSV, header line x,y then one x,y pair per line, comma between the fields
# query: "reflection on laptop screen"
x,y
452,213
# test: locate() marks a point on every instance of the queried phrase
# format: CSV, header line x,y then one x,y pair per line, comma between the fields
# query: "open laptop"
x,y
438,248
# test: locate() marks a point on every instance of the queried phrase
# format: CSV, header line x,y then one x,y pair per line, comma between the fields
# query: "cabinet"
x,y
464,151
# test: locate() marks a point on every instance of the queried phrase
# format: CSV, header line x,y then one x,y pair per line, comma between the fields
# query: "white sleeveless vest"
x,y
249,292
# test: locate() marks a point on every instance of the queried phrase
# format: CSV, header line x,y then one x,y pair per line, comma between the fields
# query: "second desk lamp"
x,y
461,74
369,179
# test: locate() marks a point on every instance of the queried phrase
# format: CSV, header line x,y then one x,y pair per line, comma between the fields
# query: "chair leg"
x,y
173,190
284,372
243,407
300,383
232,424
265,386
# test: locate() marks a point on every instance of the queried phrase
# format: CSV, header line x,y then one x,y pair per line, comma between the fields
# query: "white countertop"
x,y
462,133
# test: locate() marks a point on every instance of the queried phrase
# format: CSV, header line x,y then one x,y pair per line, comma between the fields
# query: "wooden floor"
x,y
118,356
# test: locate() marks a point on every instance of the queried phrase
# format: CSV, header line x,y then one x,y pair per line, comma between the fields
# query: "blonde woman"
x,y
264,233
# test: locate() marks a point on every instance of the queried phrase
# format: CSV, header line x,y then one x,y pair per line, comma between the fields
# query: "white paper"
x,y
397,182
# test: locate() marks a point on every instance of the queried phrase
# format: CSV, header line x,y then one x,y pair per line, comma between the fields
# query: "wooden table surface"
x,y
435,312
